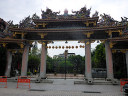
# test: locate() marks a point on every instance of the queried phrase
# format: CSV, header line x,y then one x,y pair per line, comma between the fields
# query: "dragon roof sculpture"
x,y
83,12
107,20
49,14
4,31
2,25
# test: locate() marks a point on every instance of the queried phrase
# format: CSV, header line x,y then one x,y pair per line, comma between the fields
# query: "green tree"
x,y
34,58
92,58
33,62
49,65
73,64
78,63
62,65
35,50
58,67
98,56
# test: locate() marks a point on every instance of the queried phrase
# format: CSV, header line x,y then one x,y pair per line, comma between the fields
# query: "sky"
x,y
17,10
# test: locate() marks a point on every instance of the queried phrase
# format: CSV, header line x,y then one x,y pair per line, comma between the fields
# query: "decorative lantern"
x,y
49,47
81,46
59,47
56,47
72,47
46,46
76,47
67,47
62,47
52,47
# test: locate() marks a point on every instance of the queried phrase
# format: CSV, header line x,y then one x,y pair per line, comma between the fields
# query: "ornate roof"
x,y
78,22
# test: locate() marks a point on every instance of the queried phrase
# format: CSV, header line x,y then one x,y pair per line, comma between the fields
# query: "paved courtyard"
x,y
61,87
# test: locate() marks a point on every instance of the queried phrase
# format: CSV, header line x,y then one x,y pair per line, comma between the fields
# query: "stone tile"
x,y
61,88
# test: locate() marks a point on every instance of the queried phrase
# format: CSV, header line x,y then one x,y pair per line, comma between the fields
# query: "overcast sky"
x,y
16,10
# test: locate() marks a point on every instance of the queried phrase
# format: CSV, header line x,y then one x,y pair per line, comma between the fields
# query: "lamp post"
x,y
65,53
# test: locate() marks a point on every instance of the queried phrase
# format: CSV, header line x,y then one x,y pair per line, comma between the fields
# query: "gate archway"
x,y
52,26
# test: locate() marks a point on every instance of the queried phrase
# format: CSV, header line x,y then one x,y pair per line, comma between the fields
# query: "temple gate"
x,y
52,26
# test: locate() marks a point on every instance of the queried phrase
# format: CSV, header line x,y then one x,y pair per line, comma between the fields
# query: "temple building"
x,y
63,55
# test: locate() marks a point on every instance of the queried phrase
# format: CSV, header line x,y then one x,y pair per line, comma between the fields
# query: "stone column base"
x,y
115,82
90,81
38,80
43,77
108,79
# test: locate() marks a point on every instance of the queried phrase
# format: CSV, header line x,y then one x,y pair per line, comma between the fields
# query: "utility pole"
x,y
65,53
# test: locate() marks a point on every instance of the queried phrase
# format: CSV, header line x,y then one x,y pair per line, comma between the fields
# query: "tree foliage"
x,y
33,62
72,64
34,58
50,65
98,56
78,63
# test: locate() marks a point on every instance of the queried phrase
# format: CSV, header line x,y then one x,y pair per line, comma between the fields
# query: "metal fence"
x,y
99,73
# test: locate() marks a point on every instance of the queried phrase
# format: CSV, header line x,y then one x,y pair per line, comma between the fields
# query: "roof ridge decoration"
x,y
48,14
28,22
3,25
124,21
107,20
82,13
4,32
95,14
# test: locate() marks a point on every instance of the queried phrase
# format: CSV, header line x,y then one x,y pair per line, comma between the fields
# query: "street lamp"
x,y
66,42
65,54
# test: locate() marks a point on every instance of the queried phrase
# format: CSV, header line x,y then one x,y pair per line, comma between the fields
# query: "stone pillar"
x,y
88,67
43,61
109,61
25,60
8,65
127,62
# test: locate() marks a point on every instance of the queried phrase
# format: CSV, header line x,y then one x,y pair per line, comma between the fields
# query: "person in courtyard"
x,y
35,71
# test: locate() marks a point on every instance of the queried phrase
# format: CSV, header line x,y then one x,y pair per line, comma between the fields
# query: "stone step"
x,y
95,82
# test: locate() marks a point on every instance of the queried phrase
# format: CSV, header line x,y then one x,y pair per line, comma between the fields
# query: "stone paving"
x,y
61,87
69,76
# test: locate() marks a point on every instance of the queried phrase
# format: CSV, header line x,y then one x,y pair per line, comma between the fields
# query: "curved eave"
x,y
10,40
118,39
68,30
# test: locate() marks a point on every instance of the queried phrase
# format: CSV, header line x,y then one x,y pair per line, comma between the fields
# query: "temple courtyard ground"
x,y
61,87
